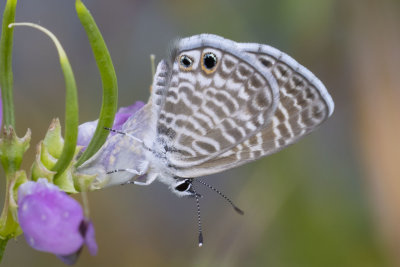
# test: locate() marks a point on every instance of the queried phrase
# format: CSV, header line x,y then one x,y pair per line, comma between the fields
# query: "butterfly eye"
x,y
209,62
186,62
183,186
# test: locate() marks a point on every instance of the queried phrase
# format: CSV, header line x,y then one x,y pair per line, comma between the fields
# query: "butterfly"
x,y
215,104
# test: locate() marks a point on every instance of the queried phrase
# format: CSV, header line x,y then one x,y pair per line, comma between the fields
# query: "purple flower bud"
x,y
52,221
87,129
125,112
87,229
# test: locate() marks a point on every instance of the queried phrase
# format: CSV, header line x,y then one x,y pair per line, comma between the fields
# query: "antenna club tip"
x,y
241,212
200,240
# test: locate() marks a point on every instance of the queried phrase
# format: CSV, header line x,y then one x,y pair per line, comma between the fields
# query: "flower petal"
x,y
70,259
49,218
90,238
87,129
125,112
85,132
87,231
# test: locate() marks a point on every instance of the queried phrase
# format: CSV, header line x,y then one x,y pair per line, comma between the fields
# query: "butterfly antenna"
x,y
123,133
241,212
198,217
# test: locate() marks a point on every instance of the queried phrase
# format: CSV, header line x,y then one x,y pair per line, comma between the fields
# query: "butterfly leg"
x,y
133,171
147,180
144,180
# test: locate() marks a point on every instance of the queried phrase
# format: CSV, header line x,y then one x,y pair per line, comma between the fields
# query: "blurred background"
x,y
330,200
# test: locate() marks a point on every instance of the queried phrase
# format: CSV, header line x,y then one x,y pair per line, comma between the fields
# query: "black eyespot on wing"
x,y
209,60
186,62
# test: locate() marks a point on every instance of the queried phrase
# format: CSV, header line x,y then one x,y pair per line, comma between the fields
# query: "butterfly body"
x,y
216,104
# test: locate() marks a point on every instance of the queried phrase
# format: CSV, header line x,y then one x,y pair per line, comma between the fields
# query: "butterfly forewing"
x,y
304,103
121,152
209,109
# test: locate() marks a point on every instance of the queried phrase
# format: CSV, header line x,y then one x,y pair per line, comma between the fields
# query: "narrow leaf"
x,y
108,78
71,103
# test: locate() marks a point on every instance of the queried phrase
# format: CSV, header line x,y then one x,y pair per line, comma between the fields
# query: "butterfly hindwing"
x,y
304,104
208,108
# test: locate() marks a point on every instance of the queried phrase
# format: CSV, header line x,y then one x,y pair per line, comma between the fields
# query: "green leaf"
x,y
9,227
108,78
3,244
47,153
12,149
71,104
6,75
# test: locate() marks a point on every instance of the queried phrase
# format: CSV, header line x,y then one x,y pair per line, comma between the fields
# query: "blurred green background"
x,y
330,200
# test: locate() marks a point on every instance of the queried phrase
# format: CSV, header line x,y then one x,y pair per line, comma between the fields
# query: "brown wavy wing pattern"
x,y
205,114
304,104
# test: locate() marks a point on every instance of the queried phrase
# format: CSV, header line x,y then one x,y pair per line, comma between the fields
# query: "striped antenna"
x,y
198,217
241,212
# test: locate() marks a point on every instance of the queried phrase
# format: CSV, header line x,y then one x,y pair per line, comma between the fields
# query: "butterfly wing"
x,y
121,152
304,103
205,109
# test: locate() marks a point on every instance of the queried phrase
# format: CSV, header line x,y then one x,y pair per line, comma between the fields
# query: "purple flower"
x,y
86,130
52,221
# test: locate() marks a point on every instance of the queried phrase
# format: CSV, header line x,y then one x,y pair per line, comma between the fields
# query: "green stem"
x,y
9,227
4,213
6,84
108,78
6,75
